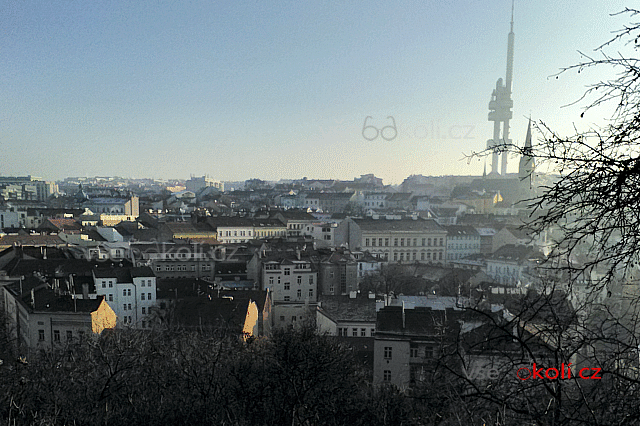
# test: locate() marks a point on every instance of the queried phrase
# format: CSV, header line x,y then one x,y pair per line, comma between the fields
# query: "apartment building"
x,y
130,292
395,239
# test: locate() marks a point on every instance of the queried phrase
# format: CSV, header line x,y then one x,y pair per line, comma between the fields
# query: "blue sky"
x,y
273,90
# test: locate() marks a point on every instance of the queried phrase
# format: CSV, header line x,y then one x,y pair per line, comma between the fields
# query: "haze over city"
x,y
242,89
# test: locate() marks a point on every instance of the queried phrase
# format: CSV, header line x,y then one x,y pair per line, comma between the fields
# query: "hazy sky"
x,y
275,90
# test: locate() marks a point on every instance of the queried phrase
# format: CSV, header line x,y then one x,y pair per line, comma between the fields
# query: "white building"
x,y
513,265
130,292
197,183
462,242
10,218
241,230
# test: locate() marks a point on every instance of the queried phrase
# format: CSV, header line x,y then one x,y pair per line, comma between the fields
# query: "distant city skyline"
x,y
244,90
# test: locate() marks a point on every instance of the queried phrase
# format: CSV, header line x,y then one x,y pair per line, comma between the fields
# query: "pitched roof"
x,y
417,321
225,221
516,253
60,224
343,308
418,225
31,240
461,230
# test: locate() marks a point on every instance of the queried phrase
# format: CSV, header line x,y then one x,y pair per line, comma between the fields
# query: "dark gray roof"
x,y
516,253
458,230
343,308
418,225
224,221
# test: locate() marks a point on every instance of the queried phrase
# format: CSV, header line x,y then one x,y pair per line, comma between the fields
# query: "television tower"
x,y
500,111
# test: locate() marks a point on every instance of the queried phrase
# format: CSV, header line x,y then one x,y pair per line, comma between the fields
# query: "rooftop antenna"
x,y
512,3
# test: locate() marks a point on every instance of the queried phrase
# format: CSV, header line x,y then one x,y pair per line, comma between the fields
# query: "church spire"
x,y
527,162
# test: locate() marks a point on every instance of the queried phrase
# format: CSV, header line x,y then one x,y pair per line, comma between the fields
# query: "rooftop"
x,y
343,308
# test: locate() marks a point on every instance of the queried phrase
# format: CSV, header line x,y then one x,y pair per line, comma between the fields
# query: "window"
x,y
110,284
386,376
299,279
310,292
354,333
428,241
366,242
110,297
287,286
363,332
395,242
428,352
386,242
293,318
387,352
129,306
124,292
142,296
287,298
148,296
310,279
69,335
144,323
424,241
299,293
129,292
142,283
373,332
401,242
144,310
287,271
124,307
331,289
330,274
104,284
270,280
41,335
413,352
56,335
282,318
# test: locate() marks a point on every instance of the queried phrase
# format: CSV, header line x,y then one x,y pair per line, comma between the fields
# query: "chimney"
x,y
403,316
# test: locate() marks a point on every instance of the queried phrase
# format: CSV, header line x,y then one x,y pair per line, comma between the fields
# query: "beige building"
x,y
41,319
241,230
293,285
395,239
